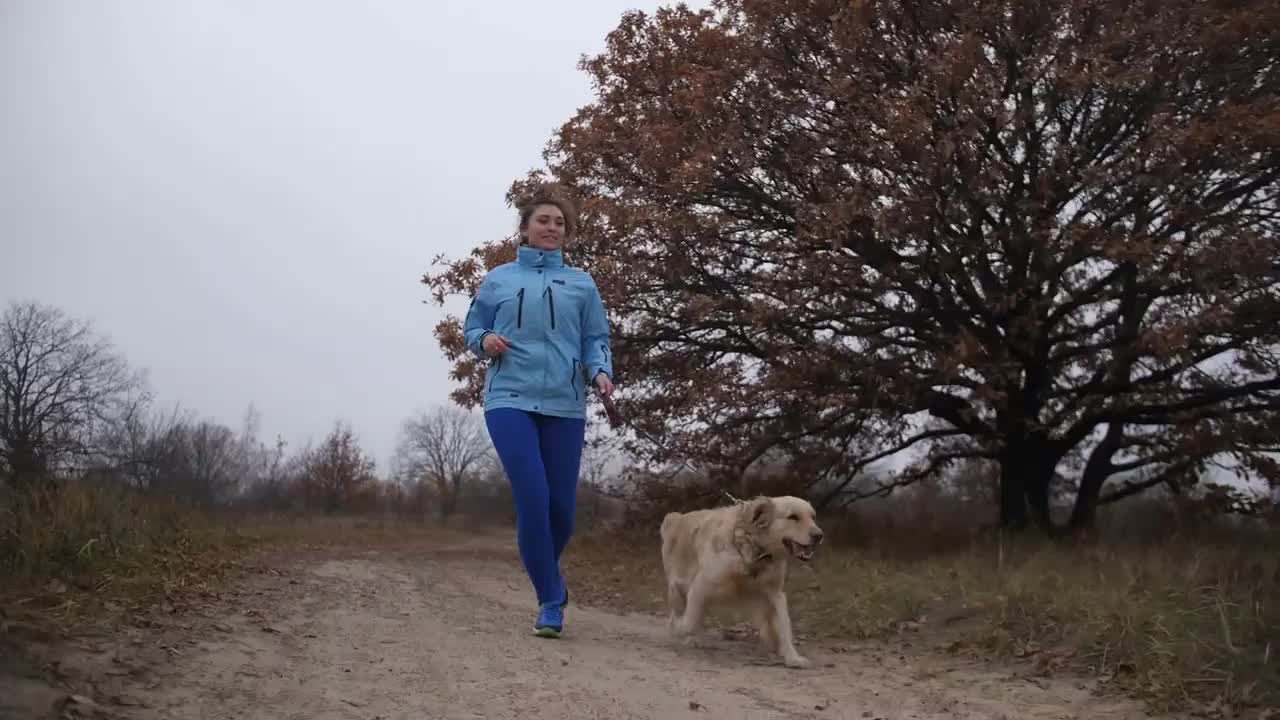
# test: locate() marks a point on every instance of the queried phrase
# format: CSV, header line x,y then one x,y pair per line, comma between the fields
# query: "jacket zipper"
x,y
573,378
520,308
551,298
497,365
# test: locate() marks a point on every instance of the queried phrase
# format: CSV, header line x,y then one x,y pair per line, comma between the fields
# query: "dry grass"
x,y
85,553
70,553
334,531
1177,621
1177,614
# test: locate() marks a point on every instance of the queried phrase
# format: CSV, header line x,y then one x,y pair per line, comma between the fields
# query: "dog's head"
x,y
785,524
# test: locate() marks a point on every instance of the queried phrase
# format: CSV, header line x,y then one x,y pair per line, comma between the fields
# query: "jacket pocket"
x,y
574,374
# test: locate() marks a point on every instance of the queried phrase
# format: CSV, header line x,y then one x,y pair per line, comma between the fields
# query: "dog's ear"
x,y
761,512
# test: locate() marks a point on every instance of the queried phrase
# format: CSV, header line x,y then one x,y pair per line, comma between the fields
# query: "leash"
x,y
617,420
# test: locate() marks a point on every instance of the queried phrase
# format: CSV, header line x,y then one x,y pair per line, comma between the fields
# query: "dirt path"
x,y
443,632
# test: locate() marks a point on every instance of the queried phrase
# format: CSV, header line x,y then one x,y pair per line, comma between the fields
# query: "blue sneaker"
x,y
550,620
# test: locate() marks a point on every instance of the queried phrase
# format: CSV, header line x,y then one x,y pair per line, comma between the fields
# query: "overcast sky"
x,y
244,195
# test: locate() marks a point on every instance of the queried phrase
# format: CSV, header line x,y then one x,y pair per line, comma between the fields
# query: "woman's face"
x,y
545,229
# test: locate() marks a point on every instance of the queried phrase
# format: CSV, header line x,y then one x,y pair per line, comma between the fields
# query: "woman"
x,y
541,325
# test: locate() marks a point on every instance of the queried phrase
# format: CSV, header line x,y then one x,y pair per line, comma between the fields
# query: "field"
x,y
1178,621
1158,617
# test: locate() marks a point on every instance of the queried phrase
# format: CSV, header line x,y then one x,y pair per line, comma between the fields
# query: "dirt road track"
x,y
443,632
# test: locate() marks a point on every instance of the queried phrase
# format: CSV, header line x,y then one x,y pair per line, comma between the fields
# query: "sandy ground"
x,y
443,632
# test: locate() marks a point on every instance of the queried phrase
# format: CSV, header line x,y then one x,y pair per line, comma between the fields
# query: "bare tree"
x,y
176,453
137,446
443,447
269,487
339,472
60,383
211,463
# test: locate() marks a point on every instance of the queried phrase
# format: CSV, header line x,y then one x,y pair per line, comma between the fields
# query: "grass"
x,y
86,552
1177,622
1180,616
68,555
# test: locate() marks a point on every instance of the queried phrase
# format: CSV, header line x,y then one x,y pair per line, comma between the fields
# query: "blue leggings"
x,y
541,455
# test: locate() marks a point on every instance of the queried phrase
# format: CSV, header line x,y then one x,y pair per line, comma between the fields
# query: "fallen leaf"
x,y
696,706
1037,682
78,706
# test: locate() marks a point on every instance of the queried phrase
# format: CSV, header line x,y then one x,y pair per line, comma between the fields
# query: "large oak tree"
x,y
1041,233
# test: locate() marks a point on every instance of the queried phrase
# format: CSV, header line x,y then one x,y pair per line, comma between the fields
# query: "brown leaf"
x,y
799,249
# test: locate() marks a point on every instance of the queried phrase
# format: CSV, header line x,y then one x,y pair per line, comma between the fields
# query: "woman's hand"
x,y
495,344
604,384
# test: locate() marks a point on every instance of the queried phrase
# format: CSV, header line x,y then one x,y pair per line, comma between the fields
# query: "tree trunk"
x,y
1096,471
1038,497
28,465
1013,499
1132,307
1084,513
1026,471
449,492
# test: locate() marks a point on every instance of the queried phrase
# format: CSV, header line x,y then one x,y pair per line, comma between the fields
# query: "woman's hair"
x,y
549,194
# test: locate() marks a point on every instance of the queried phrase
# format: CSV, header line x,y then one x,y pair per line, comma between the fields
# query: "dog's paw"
x,y
692,639
796,662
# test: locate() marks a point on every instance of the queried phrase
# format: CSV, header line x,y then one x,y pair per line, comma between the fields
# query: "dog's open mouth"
x,y
800,552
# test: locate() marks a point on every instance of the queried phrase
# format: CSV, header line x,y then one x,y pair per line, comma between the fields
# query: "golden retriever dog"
x,y
738,554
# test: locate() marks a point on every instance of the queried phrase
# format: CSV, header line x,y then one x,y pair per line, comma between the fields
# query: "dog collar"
x,y
751,553
755,556
754,565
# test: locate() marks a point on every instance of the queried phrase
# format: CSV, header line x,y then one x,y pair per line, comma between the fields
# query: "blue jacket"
x,y
555,320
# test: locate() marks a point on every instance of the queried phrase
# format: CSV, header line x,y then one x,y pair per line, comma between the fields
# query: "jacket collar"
x,y
530,256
